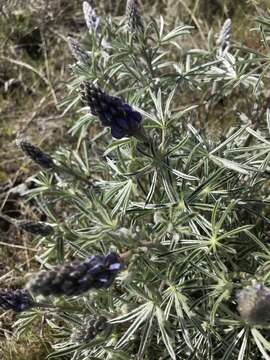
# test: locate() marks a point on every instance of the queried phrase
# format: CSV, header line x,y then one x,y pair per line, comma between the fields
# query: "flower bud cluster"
x,y
92,326
37,155
36,227
223,40
91,19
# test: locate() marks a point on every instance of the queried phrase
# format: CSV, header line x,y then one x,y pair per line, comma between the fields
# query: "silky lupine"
x,y
186,208
92,326
77,51
16,300
77,277
134,19
254,304
37,155
113,112
36,227
91,19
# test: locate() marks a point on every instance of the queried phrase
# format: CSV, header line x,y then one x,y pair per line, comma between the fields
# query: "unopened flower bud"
x,y
77,51
223,40
91,19
37,155
36,227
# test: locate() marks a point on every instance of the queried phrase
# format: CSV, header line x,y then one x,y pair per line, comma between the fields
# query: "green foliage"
x,y
187,209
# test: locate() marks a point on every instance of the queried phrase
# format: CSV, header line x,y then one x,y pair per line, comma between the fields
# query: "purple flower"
x,y
113,112
95,272
17,300
254,304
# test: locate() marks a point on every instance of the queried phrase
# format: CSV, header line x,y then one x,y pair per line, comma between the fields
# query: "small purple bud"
x,y
37,155
77,51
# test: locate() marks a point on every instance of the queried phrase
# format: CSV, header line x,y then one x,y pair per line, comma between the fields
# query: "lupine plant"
x,y
159,215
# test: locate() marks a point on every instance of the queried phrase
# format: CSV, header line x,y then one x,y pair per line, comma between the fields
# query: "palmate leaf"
x,y
178,31
165,336
232,165
178,146
168,185
152,187
242,351
147,334
122,197
261,342
157,100
229,140
65,349
26,319
115,355
84,122
176,299
140,315
231,344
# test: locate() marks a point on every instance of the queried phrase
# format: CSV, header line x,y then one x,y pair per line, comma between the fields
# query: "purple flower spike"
x,y
96,272
113,112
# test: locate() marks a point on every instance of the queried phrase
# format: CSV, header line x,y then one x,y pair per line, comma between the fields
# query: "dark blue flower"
x,y
17,300
95,272
113,112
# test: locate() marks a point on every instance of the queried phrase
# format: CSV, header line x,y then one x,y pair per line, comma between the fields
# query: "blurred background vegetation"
x,y
34,69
